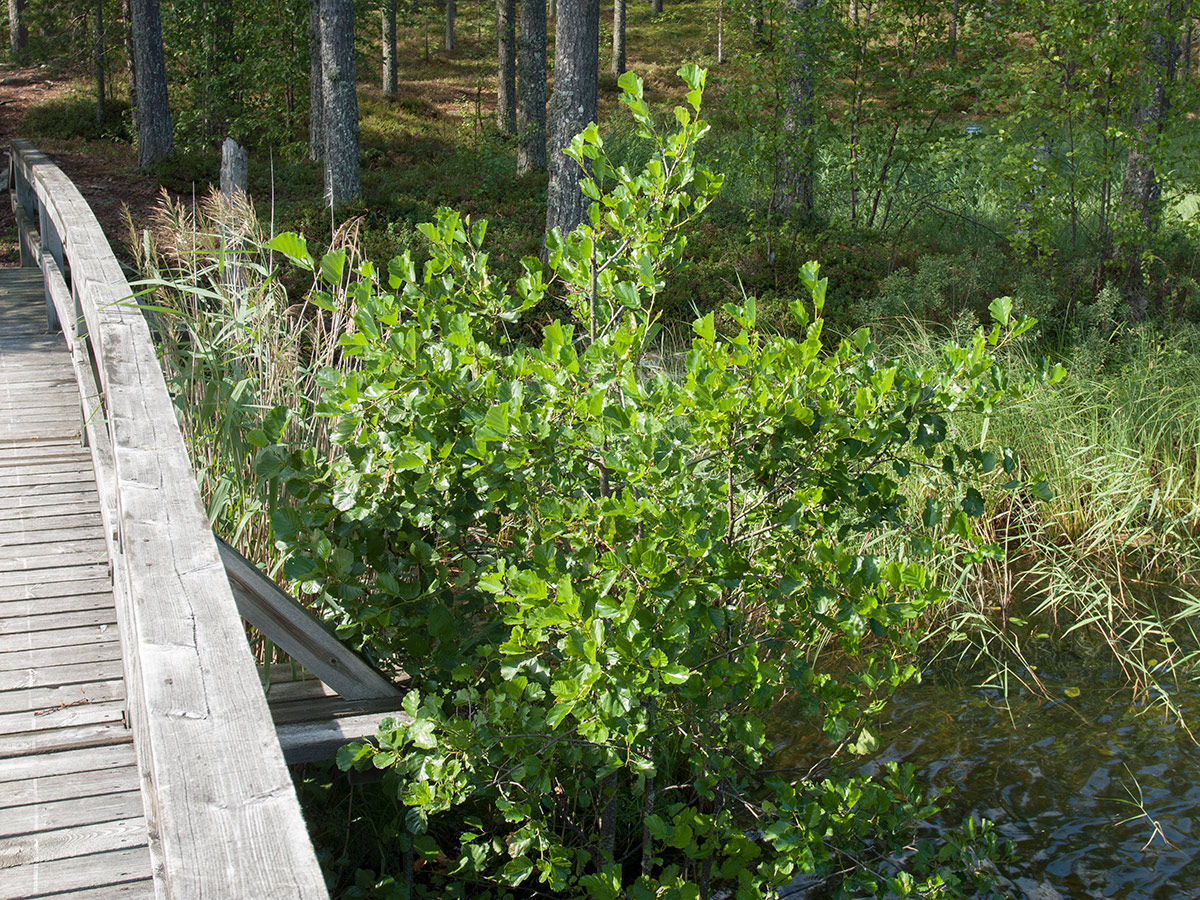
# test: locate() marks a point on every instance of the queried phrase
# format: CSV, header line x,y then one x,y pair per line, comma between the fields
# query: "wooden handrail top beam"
x,y
222,812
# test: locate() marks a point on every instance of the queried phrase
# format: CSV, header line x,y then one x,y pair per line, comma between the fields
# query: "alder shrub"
x,y
604,574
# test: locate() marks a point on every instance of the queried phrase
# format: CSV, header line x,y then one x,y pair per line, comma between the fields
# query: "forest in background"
x,y
934,157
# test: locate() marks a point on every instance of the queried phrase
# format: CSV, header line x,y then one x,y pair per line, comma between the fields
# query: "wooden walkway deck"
x,y
71,812
139,756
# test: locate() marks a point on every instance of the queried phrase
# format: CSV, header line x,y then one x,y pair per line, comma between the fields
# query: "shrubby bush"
x,y
603,574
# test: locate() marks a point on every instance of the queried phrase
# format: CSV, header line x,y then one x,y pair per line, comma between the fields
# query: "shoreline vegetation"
x,y
609,499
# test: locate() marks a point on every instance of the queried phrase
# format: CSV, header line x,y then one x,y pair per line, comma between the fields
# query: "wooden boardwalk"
x,y
71,811
139,756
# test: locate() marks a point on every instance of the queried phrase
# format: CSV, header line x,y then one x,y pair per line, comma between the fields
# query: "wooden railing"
x,y
222,812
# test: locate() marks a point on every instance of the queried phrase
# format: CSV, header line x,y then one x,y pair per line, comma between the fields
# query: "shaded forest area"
x,y
954,150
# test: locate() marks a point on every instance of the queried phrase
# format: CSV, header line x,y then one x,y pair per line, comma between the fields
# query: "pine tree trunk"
x,y
155,141
618,54
506,84
796,157
572,106
99,53
656,7
338,86
1141,192
130,65
18,34
388,26
1185,59
450,10
531,101
952,34
757,17
316,92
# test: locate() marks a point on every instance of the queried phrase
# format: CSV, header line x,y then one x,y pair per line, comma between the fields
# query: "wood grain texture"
x,y
71,810
222,813
301,634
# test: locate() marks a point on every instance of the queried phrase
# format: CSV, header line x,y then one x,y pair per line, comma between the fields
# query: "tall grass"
x,y
1107,572
234,346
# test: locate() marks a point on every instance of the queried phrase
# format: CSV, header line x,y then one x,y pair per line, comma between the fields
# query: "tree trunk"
x,y
1185,60
572,106
154,138
130,65
531,101
18,34
720,32
316,91
656,7
1141,192
796,156
506,84
99,52
757,15
618,54
338,86
450,10
952,35
388,25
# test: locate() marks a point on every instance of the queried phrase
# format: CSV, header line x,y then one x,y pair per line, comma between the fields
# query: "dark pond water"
x,y
1099,794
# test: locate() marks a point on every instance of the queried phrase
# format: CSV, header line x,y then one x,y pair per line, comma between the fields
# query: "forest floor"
x,y
107,180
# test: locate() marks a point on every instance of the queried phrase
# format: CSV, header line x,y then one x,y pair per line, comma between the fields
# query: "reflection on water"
x,y
1100,797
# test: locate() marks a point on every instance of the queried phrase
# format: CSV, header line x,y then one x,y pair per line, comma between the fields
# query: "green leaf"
x,y
294,247
441,622
1001,310
333,264
675,673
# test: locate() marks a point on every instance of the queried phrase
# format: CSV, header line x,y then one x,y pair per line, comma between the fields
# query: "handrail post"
x,y
52,242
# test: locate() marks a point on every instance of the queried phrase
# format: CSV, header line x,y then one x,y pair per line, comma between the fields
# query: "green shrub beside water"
x,y
602,578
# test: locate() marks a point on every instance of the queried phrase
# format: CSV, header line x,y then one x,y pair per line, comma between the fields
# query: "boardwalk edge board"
x,y
221,809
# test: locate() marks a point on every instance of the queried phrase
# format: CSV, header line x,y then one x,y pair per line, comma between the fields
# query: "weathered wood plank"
x,y
96,877
83,571
193,690
72,500
69,843
312,741
47,621
141,889
66,763
75,786
52,676
26,484
331,708
52,588
45,555
75,737
70,714
15,530
16,660
81,635
73,812
302,635
48,699
52,540
54,606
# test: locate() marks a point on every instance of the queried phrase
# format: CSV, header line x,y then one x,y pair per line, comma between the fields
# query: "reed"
x,y
1106,571
234,346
